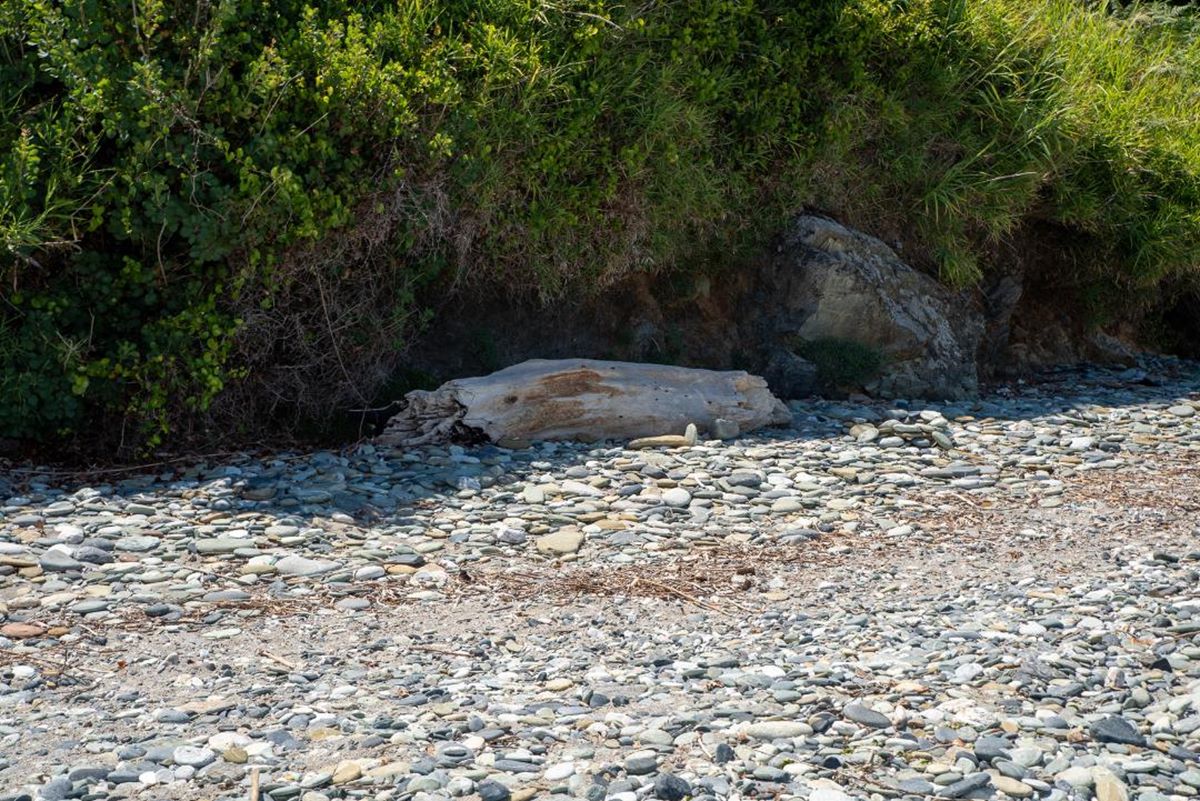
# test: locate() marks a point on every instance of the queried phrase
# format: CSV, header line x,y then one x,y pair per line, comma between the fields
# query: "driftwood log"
x,y
584,400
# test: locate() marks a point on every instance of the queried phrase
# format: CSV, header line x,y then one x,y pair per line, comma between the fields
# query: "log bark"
x,y
583,400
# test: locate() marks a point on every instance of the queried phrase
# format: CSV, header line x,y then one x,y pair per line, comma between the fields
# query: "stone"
x,y
777,730
1077,776
217,596
295,565
1011,787
1116,729
830,282
669,787
53,561
56,789
989,749
824,790
492,791
677,496
966,785
221,545
560,543
346,772
21,631
641,764
136,544
1106,785
865,716
235,755
193,756
661,441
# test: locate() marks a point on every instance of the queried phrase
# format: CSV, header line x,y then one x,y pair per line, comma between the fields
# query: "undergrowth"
x,y
224,214
842,364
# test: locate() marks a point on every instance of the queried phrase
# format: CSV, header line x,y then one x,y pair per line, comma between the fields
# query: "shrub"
x,y
227,214
240,200
842,364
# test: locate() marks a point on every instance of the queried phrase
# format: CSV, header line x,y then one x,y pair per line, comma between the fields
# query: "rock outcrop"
x,y
829,282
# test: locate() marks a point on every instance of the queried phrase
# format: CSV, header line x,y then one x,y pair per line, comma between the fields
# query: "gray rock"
x,y
1116,730
831,282
865,716
669,787
138,544
58,562
56,789
492,791
641,765
969,783
221,545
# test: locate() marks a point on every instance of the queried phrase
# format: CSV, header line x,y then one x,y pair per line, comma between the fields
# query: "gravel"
x,y
887,600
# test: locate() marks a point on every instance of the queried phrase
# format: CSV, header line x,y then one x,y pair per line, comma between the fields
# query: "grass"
x,y
842,364
978,116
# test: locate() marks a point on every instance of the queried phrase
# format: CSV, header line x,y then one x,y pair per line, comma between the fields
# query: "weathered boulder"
x,y
582,399
831,282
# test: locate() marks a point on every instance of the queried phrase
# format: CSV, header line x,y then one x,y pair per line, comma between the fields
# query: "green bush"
x,y
240,200
226,212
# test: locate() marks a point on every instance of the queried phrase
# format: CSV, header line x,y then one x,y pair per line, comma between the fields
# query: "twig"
x,y
254,783
439,650
280,660
680,593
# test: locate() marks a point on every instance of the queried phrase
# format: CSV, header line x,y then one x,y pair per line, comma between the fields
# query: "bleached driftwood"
x,y
583,399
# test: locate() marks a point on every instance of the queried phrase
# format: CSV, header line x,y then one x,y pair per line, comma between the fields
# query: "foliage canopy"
x,y
234,206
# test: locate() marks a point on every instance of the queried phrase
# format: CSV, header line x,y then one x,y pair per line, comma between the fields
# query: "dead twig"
x,y
280,660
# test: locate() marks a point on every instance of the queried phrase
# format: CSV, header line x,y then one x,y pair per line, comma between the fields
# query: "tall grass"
x,y
989,113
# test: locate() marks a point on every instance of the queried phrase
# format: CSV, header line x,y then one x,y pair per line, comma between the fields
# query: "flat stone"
x,y
58,562
966,785
560,543
346,772
293,565
1107,786
1076,777
226,595
138,544
677,496
193,756
865,716
778,729
1011,787
1116,730
640,765
221,545
22,631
